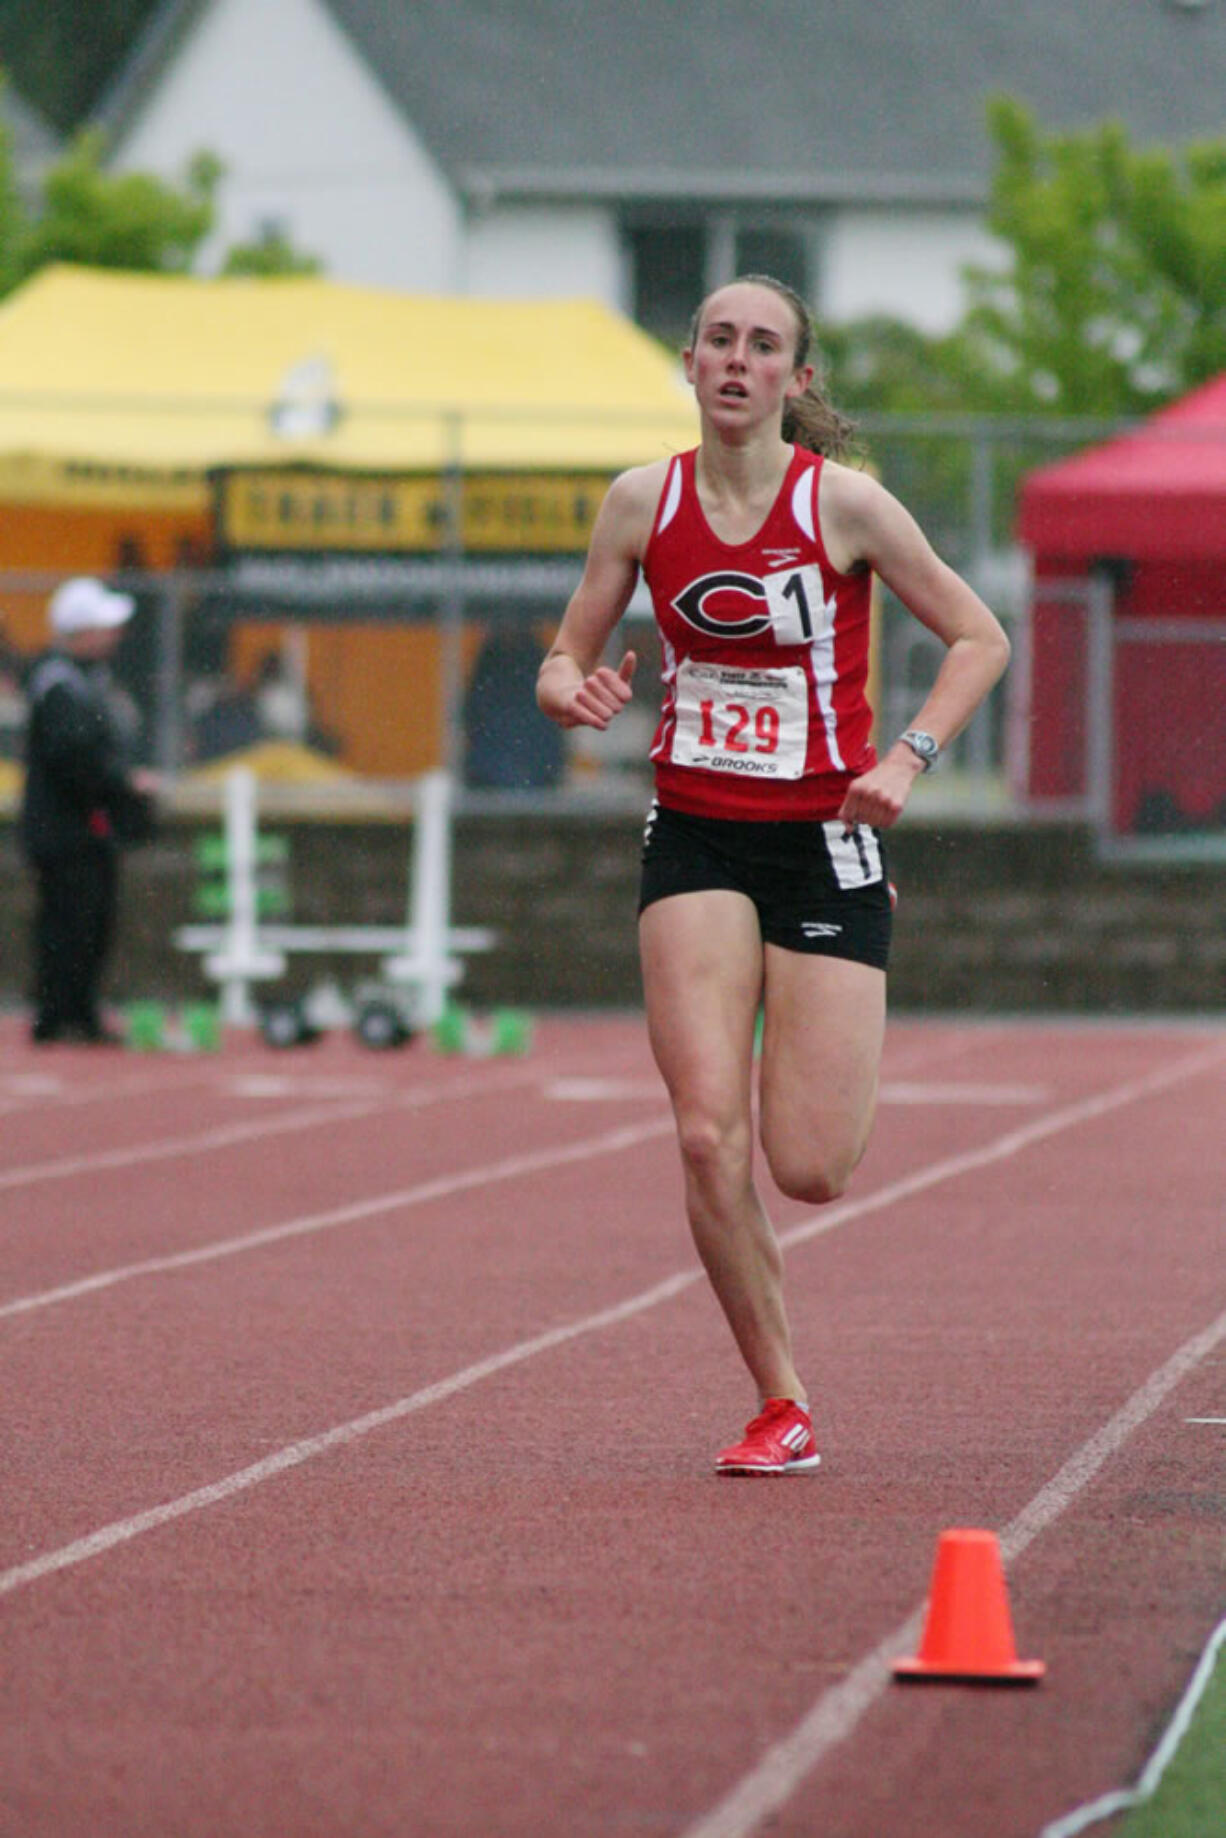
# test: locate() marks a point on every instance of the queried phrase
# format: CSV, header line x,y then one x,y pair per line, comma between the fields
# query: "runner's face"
x,y
743,363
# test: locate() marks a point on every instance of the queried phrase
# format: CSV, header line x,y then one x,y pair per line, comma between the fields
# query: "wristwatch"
x,y
923,746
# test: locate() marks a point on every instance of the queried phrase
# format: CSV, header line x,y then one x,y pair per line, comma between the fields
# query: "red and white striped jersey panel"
x,y
765,657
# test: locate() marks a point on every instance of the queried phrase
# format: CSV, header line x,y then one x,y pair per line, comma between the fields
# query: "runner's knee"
x,y
812,1174
713,1150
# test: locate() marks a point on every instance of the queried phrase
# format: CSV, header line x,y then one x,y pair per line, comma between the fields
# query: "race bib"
x,y
751,722
800,612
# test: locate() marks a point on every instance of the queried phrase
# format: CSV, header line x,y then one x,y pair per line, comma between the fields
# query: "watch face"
x,y
923,744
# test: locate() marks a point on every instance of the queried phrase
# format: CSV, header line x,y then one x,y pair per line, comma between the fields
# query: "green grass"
x,y
1191,1798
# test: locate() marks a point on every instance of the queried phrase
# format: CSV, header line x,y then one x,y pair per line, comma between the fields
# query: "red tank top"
x,y
765,657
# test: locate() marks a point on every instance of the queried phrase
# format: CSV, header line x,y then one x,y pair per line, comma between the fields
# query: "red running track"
x,y
359,1412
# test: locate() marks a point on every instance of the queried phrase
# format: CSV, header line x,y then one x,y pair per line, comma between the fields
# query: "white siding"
x,y
905,263
312,145
555,251
310,142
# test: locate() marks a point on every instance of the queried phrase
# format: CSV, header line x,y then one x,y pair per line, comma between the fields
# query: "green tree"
x,y
128,220
893,379
1113,298
272,254
119,220
881,365
1110,300
12,214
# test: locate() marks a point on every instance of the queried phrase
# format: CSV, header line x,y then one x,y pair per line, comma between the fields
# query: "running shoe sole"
x,y
805,1465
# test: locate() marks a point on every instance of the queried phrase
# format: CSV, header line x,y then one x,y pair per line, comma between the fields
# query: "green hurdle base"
x,y
152,1028
505,1031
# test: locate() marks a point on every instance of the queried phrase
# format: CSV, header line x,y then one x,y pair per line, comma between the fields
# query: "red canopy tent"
x,y
1155,494
1145,512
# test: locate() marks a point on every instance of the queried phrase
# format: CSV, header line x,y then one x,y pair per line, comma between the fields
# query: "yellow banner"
x,y
32,478
361,514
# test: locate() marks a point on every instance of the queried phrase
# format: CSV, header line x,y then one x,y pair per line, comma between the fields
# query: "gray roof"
x,y
795,100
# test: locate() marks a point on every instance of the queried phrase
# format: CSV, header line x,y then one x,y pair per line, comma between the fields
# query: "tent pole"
x,y
168,748
452,623
1100,741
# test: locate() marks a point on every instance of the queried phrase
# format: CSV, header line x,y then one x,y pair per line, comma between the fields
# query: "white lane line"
x,y
1013,1142
442,1187
26,1092
836,1714
1150,1779
122,1531
227,1136
893,1091
277,1085
602,1091
929,1091
769,1786
29,1085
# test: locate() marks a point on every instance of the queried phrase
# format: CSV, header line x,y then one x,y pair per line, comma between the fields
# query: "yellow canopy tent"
x,y
121,388
125,398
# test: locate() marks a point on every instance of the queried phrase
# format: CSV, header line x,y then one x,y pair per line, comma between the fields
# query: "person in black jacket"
x,y
81,803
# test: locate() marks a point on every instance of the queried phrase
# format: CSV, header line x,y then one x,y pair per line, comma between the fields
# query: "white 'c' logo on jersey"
x,y
730,605
727,605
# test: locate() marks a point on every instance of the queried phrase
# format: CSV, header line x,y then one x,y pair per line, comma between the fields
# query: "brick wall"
x,y
1000,919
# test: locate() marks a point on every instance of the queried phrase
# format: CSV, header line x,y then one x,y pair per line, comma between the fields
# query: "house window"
x,y
674,264
668,264
778,252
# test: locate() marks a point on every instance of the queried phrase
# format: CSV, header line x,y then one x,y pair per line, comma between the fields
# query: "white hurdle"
x,y
424,962
421,956
240,959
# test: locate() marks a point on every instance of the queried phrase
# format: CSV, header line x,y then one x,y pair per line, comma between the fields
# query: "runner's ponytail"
x,y
812,421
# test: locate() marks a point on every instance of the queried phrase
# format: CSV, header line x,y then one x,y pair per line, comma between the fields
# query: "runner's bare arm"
x,y
863,524
574,688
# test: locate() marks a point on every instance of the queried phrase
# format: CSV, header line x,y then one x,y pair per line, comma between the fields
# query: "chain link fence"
x,y
353,673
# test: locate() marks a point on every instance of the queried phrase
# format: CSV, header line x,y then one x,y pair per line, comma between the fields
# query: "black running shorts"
x,y
818,887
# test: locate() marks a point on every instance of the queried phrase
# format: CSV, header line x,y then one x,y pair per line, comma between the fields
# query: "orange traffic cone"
x,y
968,1634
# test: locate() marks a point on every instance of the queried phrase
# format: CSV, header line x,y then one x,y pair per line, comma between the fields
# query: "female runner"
x,y
764,879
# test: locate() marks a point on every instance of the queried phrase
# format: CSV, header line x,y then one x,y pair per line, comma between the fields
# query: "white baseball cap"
x,y
85,605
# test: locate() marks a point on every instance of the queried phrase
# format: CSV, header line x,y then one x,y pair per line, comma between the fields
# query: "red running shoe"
x,y
780,1441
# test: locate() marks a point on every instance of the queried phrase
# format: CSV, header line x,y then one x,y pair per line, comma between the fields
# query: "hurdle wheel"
x,y
380,1025
283,1024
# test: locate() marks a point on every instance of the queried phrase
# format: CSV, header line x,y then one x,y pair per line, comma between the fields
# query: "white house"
x,y
640,150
